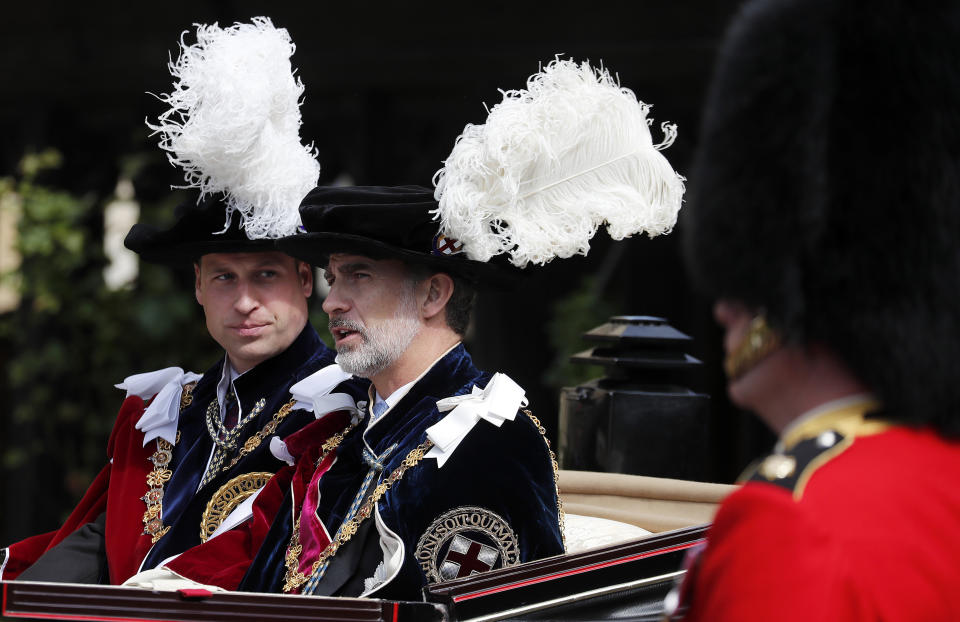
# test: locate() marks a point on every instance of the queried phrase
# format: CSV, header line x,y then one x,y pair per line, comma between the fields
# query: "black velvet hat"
x,y
385,222
198,230
826,190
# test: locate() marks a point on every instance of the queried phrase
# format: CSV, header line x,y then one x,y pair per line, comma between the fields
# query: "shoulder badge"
x,y
792,469
465,541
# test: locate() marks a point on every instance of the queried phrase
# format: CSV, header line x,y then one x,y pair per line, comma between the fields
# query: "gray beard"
x,y
381,344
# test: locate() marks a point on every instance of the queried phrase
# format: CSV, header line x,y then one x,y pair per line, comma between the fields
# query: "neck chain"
x,y
227,439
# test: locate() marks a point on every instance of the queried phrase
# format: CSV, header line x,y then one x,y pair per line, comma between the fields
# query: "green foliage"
x,y
574,315
72,338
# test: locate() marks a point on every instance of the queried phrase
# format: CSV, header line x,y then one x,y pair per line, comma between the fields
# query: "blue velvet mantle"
x,y
183,504
506,470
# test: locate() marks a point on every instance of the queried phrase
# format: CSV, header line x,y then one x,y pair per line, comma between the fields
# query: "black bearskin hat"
x,y
826,190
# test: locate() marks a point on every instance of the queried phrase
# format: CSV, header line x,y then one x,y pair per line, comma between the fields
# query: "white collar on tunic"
x,y
164,389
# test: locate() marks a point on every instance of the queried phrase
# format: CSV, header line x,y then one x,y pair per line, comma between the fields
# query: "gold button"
x,y
778,466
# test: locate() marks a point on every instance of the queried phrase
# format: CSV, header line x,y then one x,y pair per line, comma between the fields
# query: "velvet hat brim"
x,y
196,232
384,222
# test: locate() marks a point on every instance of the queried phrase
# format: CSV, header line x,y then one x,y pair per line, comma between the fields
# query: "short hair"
x,y
460,306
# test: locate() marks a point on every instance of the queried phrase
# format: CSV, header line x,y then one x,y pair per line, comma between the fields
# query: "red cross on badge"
x,y
466,557
442,245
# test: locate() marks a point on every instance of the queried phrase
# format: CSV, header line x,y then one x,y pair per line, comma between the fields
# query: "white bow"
x,y
161,416
496,403
311,391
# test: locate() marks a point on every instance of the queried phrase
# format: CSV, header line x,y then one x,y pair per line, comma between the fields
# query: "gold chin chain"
x,y
758,343
293,577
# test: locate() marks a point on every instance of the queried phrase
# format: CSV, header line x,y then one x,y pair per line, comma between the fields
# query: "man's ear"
x,y
196,281
305,272
439,288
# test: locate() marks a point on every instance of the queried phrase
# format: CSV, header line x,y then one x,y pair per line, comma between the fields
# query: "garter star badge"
x,y
443,245
466,541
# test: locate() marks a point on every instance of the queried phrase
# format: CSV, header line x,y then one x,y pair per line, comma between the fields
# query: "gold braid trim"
x,y
561,516
293,577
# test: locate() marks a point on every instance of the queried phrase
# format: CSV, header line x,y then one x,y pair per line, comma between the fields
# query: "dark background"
x,y
388,89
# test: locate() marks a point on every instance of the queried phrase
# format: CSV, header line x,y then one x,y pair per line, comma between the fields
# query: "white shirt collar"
x,y
392,399
397,395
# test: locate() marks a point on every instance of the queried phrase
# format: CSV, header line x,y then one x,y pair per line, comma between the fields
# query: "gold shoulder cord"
x,y
556,475
293,577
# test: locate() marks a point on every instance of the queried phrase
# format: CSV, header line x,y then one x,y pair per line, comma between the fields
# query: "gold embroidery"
x,y
294,578
254,441
227,498
152,525
186,396
556,476
152,518
450,526
160,475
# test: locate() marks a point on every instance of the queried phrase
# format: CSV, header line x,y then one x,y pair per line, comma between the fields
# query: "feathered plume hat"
x,y
826,191
233,127
552,163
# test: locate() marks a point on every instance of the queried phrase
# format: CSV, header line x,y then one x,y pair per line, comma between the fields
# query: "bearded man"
x,y
445,474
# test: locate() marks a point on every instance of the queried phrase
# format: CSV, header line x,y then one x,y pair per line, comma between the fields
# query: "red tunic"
x,y
868,529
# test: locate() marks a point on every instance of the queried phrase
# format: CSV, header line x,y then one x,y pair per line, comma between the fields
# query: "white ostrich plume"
x,y
552,163
233,125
